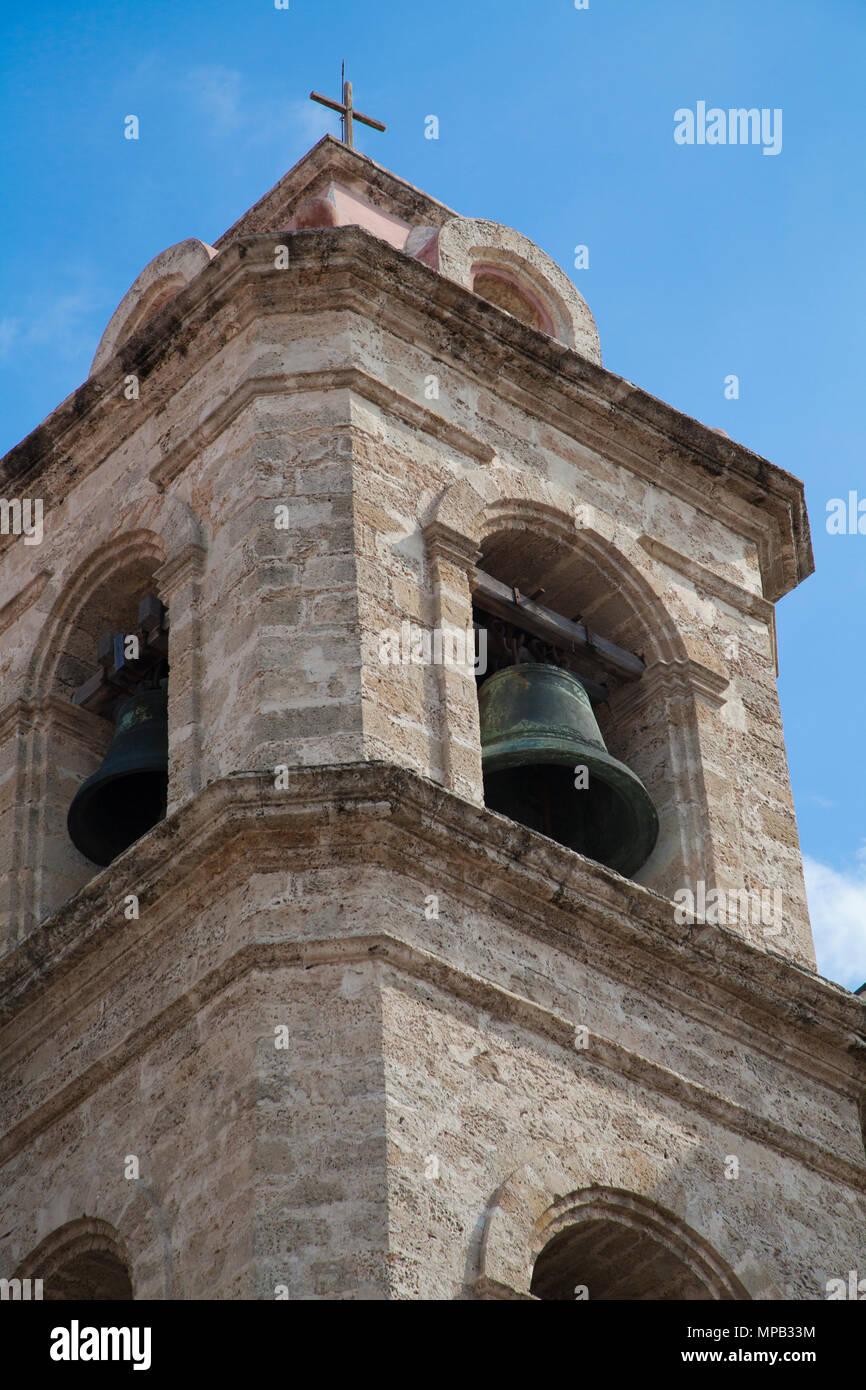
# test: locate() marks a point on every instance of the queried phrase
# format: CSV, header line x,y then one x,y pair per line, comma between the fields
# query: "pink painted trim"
x,y
515,280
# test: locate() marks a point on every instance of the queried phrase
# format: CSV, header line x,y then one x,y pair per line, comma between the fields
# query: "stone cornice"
x,y
347,268
444,542
404,821
604,1056
176,459
705,581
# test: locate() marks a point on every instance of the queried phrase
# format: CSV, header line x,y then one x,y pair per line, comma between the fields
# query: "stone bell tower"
x,y
342,1023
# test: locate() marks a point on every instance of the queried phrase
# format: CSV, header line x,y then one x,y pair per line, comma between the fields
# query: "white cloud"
x,y
64,326
837,905
217,94
308,121
10,331
226,107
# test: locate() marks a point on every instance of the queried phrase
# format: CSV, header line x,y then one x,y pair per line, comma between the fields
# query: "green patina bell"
x,y
537,728
126,796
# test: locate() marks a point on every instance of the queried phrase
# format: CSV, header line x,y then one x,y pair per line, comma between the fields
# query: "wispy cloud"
x,y
216,93
226,107
837,905
10,331
65,325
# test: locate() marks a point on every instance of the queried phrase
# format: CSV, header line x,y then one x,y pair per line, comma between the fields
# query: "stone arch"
x,y
58,745
620,599
619,1245
134,553
479,505
161,279
546,1198
61,744
471,247
502,285
85,1259
536,535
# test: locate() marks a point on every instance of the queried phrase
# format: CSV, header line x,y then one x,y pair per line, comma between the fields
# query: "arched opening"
x,y
126,683
94,1275
158,295
503,287
610,1261
600,791
84,670
616,1246
83,1260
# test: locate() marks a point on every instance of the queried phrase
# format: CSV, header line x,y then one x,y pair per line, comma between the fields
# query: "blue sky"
x,y
705,261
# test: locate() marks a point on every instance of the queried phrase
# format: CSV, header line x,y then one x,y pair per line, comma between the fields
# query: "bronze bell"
x,y
126,796
537,728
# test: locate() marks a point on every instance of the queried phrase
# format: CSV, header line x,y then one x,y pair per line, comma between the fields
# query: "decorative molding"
x,y
712,975
431,822
534,373
175,460
163,277
673,678
187,565
12,716
24,599
52,711
104,560
556,1191
329,161
457,982
465,243
704,579
455,547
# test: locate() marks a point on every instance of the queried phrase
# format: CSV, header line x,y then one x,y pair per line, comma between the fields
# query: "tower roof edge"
x,y
331,160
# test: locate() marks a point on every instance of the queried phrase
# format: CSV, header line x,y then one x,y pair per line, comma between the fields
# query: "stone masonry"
x,y
489,1042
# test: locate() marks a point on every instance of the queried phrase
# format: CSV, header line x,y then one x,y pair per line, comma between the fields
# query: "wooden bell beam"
x,y
117,674
494,597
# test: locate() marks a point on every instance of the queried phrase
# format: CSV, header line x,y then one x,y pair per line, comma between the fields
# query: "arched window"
x,y
614,1245
79,678
597,791
95,1275
83,1260
503,287
541,544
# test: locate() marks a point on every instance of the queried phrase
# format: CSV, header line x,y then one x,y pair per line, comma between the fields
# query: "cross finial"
x,y
347,111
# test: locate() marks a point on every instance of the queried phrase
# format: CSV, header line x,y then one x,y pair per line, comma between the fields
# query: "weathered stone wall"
x,y
714,747
315,456
123,1060
288,395
430,1054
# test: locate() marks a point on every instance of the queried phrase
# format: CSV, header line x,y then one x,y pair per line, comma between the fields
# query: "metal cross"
x,y
347,111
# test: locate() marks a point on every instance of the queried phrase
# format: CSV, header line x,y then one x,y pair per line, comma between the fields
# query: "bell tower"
x,y
414,909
